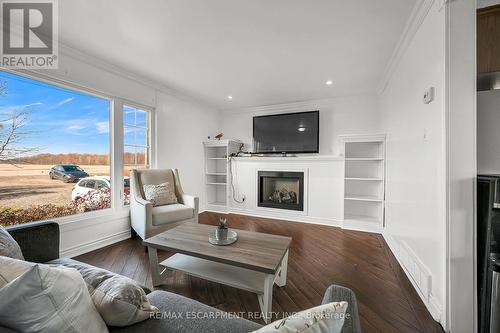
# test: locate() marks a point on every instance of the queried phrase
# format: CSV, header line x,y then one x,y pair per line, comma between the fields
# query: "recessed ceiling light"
x,y
229,97
329,82
301,129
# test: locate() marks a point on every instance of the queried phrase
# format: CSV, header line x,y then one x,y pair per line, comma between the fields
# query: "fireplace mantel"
x,y
323,187
306,158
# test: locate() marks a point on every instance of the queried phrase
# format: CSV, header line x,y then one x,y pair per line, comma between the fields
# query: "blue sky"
x,y
63,121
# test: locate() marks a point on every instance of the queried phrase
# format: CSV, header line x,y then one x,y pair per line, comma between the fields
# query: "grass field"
x,y
25,185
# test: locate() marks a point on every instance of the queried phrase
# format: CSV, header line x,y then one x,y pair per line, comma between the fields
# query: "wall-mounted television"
x,y
286,133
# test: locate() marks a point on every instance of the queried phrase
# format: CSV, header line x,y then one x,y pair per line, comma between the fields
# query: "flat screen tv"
x,y
286,133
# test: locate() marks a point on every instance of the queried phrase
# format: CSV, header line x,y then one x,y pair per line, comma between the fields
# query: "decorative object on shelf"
x,y
219,136
221,231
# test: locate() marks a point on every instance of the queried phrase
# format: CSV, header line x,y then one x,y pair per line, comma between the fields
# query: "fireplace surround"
x,y
281,190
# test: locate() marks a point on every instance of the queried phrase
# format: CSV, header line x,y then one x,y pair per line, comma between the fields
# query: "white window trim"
x,y
118,209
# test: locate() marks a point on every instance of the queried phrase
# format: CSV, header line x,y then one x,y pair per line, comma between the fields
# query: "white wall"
x,y
182,126
346,115
488,133
416,158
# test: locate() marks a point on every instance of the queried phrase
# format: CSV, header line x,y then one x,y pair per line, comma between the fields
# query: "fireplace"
x,y
281,189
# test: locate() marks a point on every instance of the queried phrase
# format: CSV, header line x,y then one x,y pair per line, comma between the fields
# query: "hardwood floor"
x,y
319,256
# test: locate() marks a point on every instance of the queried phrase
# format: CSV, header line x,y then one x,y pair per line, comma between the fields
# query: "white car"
x,y
89,184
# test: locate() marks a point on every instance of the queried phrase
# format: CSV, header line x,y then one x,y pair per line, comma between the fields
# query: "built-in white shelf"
x,y
216,172
364,188
364,159
357,197
365,179
218,203
362,218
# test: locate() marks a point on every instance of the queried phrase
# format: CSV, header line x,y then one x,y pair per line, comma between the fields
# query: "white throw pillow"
x,y
161,194
326,318
9,246
11,269
49,299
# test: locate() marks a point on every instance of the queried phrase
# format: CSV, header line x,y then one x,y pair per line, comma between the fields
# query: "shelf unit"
x,y
216,172
364,182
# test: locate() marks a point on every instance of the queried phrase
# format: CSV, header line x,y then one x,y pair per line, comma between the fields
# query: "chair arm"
x,y
39,241
336,293
191,201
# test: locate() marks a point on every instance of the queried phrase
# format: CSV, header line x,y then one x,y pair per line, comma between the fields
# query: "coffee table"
x,y
254,262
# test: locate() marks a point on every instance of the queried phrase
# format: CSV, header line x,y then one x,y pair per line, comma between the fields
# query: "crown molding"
x,y
312,104
417,17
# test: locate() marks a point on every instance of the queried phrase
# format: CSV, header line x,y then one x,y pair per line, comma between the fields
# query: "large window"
x,y
55,148
137,141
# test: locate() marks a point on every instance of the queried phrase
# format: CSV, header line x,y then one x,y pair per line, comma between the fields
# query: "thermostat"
x,y
429,95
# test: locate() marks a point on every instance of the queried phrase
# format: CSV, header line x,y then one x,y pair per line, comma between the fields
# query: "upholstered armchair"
x,y
148,220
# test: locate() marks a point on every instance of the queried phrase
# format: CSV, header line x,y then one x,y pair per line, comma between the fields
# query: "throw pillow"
x,y
11,269
49,299
118,299
326,318
161,194
9,246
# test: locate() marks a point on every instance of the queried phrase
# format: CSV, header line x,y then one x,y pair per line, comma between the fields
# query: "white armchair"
x,y
147,220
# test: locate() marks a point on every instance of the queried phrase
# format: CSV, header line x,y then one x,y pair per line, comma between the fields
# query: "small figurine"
x,y
219,136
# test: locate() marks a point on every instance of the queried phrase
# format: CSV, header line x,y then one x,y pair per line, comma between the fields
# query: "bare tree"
x,y
13,134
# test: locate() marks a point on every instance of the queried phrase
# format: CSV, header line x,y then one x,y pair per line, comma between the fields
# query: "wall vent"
x,y
416,270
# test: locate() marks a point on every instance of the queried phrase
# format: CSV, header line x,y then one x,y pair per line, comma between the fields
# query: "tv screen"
x,y
286,133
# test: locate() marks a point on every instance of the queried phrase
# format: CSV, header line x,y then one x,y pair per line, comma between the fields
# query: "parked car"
x,y
68,173
89,184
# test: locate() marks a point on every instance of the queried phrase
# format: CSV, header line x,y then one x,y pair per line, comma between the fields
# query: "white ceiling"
x,y
261,52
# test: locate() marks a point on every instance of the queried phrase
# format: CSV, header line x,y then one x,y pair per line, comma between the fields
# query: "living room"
x,y
246,163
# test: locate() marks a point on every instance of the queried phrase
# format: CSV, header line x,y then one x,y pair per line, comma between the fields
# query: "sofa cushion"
x,y
183,315
119,300
9,246
11,269
49,299
171,213
161,194
326,318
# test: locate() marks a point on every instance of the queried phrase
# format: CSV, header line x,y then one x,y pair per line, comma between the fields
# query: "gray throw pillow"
x,y
49,299
161,194
118,299
8,246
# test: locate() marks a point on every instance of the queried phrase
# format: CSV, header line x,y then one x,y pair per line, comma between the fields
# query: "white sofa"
x,y
147,220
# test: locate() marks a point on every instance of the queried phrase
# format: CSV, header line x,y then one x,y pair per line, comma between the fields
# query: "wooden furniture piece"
x,y
364,188
254,263
488,39
217,174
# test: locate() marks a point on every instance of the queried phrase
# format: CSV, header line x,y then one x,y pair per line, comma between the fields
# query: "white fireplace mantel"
x,y
323,187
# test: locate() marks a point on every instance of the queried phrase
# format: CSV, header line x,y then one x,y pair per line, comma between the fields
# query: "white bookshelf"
x,y
364,182
216,172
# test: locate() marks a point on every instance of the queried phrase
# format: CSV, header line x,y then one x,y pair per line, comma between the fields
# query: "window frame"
x,y
116,146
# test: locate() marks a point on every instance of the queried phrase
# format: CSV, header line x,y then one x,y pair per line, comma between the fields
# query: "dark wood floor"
x,y
319,256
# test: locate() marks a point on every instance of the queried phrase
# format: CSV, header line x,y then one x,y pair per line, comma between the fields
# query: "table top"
x,y
253,250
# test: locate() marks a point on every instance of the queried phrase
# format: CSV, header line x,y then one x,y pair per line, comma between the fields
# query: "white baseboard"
x,y
431,303
94,245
